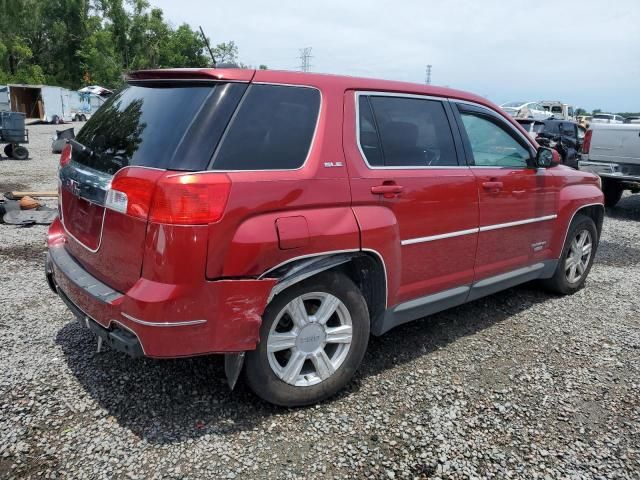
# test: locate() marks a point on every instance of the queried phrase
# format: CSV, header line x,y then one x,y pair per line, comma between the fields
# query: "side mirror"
x,y
547,157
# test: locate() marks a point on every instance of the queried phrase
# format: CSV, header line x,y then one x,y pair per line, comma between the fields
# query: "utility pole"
x,y
428,79
305,55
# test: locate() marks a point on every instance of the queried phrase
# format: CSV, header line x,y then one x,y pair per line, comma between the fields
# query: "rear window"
x,y
163,126
272,129
532,127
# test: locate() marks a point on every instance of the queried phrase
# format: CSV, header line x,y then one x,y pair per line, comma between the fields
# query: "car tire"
x,y
83,118
8,150
325,351
20,153
575,262
55,120
612,192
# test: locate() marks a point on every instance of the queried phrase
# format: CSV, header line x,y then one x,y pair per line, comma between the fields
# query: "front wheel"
x,y
312,339
577,257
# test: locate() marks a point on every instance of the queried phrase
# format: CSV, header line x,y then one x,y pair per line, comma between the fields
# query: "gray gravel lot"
x,y
521,384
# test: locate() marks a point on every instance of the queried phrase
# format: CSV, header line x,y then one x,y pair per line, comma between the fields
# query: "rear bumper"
x,y
615,171
157,319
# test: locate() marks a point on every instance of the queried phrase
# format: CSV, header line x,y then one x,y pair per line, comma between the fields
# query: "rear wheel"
x,y
83,118
20,152
612,192
577,257
312,339
8,150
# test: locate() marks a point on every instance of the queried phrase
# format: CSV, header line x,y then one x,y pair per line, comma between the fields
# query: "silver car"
x,y
525,110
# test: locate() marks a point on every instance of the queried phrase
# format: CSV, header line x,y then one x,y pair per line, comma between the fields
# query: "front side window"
x,y
412,132
491,144
272,129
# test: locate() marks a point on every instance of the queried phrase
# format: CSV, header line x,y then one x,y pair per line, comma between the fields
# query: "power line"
x,y
305,55
428,78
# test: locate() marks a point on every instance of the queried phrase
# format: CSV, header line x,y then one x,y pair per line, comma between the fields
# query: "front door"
x,y
405,171
518,203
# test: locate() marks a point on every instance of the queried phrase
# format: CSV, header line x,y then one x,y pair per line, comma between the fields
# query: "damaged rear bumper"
x,y
161,320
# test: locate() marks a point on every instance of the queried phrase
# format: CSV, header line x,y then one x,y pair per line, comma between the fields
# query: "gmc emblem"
x,y
73,186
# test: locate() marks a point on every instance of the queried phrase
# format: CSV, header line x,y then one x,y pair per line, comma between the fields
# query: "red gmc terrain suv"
x,y
281,218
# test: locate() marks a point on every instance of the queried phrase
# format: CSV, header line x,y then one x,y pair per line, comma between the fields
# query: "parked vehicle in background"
x,y
632,120
613,152
584,120
85,104
564,136
279,218
607,118
41,103
557,109
14,134
525,110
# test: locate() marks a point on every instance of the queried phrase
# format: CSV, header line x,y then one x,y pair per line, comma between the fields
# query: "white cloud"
x,y
584,52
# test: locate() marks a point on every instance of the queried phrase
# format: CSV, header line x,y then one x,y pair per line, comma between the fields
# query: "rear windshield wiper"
x,y
84,150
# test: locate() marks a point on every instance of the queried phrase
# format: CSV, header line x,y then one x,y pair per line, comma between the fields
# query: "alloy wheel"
x,y
578,256
309,339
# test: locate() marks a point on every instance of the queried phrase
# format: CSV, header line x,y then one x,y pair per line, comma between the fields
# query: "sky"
x,y
585,53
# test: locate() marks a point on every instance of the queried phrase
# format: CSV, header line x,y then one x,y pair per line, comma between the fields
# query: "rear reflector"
x,y
65,156
190,199
586,143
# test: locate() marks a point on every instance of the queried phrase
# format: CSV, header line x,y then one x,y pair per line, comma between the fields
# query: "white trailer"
x,y
84,104
41,102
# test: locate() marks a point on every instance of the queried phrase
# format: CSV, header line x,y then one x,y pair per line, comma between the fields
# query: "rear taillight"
x,y
190,199
169,197
65,156
586,143
132,190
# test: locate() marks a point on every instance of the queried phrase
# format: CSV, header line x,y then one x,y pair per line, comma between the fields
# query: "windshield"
x,y
156,126
603,115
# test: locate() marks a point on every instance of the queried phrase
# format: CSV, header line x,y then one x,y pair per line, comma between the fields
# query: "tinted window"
x,y
413,132
568,129
491,144
157,126
551,127
369,141
272,129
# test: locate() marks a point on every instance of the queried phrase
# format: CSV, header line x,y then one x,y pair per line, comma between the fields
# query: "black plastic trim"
x,y
437,302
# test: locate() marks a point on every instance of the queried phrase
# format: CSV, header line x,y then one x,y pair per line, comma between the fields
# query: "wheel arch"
x,y
365,268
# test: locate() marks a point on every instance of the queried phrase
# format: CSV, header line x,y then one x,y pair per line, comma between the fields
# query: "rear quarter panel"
x,y
246,242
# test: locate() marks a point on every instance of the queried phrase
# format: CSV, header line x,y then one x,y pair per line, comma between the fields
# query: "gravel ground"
x,y
517,385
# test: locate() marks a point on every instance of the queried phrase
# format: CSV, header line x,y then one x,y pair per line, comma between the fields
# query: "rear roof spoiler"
x,y
197,74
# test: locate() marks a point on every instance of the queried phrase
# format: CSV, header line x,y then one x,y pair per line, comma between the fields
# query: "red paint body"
x,y
174,273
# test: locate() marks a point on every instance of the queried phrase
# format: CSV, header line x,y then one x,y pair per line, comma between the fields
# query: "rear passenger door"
x,y
404,164
517,201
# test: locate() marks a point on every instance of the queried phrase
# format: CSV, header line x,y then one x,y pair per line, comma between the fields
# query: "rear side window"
x,y
272,129
412,132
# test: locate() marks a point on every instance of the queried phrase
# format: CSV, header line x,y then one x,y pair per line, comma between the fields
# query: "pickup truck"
x,y
612,150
